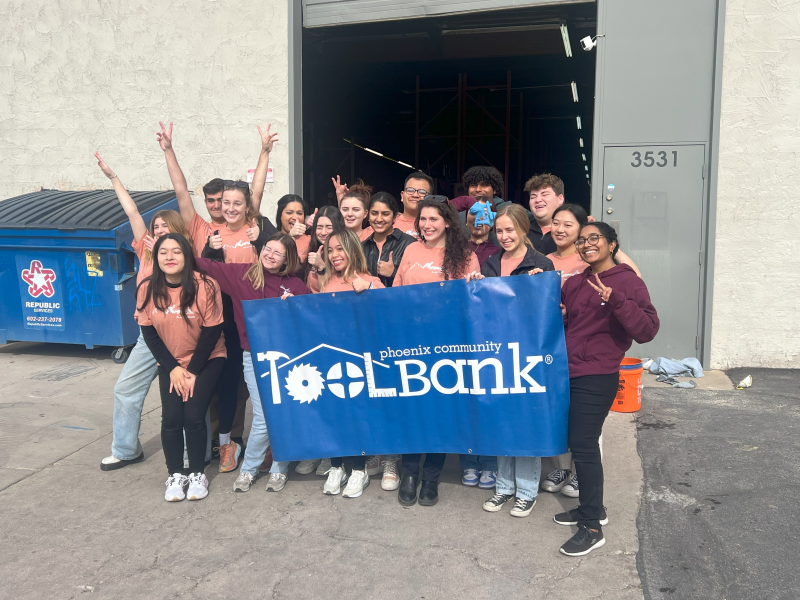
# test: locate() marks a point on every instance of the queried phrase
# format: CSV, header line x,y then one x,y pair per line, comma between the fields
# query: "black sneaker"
x,y
571,517
215,449
583,542
522,507
555,481
496,502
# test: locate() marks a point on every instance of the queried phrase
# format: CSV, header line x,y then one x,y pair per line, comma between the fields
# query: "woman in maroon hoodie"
x,y
605,308
273,275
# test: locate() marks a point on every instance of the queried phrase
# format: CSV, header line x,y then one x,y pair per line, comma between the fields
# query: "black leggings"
x,y
590,399
359,462
178,416
431,469
228,386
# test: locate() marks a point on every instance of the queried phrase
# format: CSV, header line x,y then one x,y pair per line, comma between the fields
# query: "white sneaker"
x,y
373,465
358,482
337,477
390,480
304,467
176,487
198,486
243,482
324,467
571,489
277,481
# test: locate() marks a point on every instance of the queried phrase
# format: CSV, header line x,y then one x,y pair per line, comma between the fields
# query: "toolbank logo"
x,y
473,369
39,280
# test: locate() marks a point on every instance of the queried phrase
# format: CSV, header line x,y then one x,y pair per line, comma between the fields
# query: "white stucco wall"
x,y
756,308
78,76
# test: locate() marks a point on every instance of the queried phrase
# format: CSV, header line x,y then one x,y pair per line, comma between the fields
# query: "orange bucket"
x,y
629,393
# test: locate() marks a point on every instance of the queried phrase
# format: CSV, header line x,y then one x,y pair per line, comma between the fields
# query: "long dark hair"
x,y
335,215
456,249
157,289
608,232
284,202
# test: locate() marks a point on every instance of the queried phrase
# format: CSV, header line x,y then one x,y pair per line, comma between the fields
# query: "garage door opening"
x,y
511,88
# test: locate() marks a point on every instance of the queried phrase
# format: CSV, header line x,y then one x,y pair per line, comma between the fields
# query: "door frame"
x,y
710,184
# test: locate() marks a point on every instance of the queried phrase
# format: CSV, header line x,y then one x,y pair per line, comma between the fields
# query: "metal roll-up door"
x,y
322,13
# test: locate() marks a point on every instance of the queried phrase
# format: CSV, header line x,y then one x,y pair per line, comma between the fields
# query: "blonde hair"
x,y
356,261
255,274
519,218
175,224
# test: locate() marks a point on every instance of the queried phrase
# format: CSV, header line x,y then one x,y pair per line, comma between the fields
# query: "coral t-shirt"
x,y
421,264
178,336
546,229
236,245
406,225
145,266
302,242
336,284
569,266
365,233
507,265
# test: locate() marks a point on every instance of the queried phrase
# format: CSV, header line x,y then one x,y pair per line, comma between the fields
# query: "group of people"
x,y
194,275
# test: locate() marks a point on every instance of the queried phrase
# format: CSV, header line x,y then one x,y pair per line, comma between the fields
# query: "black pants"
x,y
590,399
228,386
359,462
430,470
178,416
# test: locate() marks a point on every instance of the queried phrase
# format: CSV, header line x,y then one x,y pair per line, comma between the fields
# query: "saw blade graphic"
x,y
304,383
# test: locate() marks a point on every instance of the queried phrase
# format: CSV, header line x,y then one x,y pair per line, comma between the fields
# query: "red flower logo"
x,y
39,280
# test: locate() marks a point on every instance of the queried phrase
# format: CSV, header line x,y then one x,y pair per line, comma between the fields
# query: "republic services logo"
x,y
39,280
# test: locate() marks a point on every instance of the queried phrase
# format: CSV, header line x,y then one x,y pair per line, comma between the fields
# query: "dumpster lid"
x,y
97,210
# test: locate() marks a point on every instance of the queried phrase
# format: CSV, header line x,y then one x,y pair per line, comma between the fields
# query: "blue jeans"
x,y
519,475
258,442
479,463
129,393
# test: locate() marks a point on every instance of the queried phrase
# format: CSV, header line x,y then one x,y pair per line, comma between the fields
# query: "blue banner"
x,y
458,367
40,286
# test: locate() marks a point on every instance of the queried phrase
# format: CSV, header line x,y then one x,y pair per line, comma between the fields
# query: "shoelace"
x,y
196,478
389,468
172,480
497,498
574,482
275,476
557,476
520,503
471,473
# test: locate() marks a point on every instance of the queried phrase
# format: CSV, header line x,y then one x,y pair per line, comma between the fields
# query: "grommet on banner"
x,y
441,284
470,450
333,294
363,453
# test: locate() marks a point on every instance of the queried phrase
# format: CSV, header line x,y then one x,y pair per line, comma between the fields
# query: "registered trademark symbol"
x,y
548,359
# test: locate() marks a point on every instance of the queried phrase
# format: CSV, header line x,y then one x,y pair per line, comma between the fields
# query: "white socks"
x,y
224,438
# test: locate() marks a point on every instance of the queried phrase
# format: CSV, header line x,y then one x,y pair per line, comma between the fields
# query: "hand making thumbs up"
x,y
386,268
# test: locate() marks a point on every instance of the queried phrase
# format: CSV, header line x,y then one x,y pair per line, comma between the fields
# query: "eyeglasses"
x,y
267,251
412,192
238,184
591,239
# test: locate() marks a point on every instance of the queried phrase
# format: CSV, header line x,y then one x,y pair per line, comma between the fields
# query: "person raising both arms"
x,y
442,253
416,187
605,308
326,220
512,476
272,276
180,313
141,368
385,247
290,217
346,271
354,205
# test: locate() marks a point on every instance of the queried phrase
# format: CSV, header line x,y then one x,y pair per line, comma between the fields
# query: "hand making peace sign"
x,y
605,292
267,138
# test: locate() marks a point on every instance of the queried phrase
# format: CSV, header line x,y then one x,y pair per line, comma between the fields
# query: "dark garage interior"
x,y
444,94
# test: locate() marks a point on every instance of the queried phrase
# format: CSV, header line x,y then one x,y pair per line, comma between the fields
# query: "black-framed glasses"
x,y
414,192
592,239
239,184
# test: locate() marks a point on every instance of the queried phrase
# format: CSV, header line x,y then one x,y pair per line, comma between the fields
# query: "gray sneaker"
x,y
243,482
277,481
305,467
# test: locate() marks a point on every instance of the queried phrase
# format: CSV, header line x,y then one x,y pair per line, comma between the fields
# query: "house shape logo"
x,y
345,377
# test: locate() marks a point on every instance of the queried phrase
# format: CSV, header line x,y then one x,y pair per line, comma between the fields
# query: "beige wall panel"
x,y
757,264
81,75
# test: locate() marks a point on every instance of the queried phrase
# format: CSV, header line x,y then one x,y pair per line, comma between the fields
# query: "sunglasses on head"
x,y
238,184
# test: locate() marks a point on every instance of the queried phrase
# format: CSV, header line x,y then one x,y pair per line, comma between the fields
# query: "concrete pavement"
x,y
70,529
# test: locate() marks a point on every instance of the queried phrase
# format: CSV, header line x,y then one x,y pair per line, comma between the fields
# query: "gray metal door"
x,y
653,197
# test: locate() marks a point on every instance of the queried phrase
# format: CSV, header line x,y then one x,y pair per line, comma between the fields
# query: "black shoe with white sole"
x,y
571,517
522,507
583,542
555,481
496,502
111,463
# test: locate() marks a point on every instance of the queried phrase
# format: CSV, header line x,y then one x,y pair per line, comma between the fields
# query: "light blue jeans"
x,y
258,442
519,475
479,463
130,391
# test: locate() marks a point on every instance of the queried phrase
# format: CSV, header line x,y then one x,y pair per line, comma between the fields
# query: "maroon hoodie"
x,y
597,334
232,281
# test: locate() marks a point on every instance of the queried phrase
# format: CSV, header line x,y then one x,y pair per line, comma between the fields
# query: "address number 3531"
x,y
649,159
